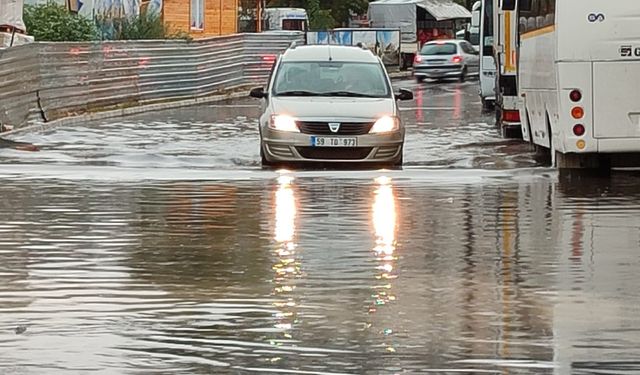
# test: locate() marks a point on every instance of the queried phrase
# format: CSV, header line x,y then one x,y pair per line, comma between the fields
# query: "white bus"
x,y
579,77
505,33
487,62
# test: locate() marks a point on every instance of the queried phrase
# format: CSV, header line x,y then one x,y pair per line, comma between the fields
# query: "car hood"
x,y
333,108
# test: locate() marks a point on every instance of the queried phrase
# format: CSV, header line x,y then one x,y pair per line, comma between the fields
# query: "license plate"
x,y
333,142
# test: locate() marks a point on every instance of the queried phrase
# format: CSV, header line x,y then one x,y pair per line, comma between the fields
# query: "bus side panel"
x,y
597,30
538,83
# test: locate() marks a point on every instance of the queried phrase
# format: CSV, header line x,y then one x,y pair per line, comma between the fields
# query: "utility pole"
x,y
259,15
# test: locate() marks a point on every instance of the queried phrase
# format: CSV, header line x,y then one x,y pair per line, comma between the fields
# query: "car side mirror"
x,y
258,93
404,94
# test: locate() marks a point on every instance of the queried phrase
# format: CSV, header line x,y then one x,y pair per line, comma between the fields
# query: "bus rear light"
x,y
575,95
577,113
511,116
579,130
417,59
457,59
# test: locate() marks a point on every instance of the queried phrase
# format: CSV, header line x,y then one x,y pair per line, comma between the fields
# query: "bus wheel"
x,y
487,105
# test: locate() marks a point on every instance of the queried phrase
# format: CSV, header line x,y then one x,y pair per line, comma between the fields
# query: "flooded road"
x,y
157,245
445,129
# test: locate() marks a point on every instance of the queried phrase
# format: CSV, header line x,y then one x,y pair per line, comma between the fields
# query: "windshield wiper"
x,y
349,94
298,93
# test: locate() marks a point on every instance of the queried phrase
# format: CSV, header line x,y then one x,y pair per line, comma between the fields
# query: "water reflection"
x,y
518,276
419,105
385,228
287,262
457,104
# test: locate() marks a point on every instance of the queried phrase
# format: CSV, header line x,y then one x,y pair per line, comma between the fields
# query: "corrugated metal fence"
x,y
43,82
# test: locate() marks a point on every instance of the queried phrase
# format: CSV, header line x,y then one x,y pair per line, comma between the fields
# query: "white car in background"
x,y
443,59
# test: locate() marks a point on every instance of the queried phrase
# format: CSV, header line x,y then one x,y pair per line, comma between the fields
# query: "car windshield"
x,y
331,79
439,49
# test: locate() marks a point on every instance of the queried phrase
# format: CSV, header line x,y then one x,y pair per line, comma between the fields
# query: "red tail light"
x,y
575,96
579,130
511,116
417,59
457,59
577,112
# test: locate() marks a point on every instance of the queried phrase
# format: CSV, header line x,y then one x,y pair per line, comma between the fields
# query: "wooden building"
x,y
201,18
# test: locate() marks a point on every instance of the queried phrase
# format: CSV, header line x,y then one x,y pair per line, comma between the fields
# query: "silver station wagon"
x,y
330,104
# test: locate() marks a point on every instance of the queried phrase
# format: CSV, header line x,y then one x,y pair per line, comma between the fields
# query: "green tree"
x,y
319,18
52,22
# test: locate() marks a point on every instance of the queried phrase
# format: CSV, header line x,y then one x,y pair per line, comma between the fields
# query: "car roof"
x,y
443,41
329,53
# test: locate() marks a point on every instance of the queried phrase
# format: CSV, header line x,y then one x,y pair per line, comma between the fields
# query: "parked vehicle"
x,y
505,29
286,19
487,61
446,59
578,72
330,104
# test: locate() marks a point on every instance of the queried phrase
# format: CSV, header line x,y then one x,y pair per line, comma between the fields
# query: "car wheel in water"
x,y
263,159
463,76
398,163
419,79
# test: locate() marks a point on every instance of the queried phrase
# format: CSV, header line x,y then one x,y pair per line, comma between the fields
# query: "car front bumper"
x,y
279,146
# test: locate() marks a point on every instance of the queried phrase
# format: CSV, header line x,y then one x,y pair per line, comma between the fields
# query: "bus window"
x,y
524,6
551,13
289,24
524,14
508,4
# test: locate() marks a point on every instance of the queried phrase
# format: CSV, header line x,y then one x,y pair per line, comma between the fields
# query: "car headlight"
x,y
385,124
284,123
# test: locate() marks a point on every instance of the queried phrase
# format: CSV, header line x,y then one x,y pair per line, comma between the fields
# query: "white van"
x,y
291,19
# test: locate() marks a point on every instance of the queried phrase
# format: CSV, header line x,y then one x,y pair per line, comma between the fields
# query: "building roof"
x,y
324,52
439,9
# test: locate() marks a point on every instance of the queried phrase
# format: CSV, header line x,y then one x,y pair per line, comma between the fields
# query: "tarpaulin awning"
x,y
11,14
440,9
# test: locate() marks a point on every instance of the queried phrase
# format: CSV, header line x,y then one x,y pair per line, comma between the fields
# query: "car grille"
x,y
346,128
334,153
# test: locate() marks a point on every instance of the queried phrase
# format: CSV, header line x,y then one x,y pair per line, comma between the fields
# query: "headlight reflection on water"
x,y
385,224
286,265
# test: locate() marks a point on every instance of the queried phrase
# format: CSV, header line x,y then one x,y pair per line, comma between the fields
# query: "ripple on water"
x,y
314,274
